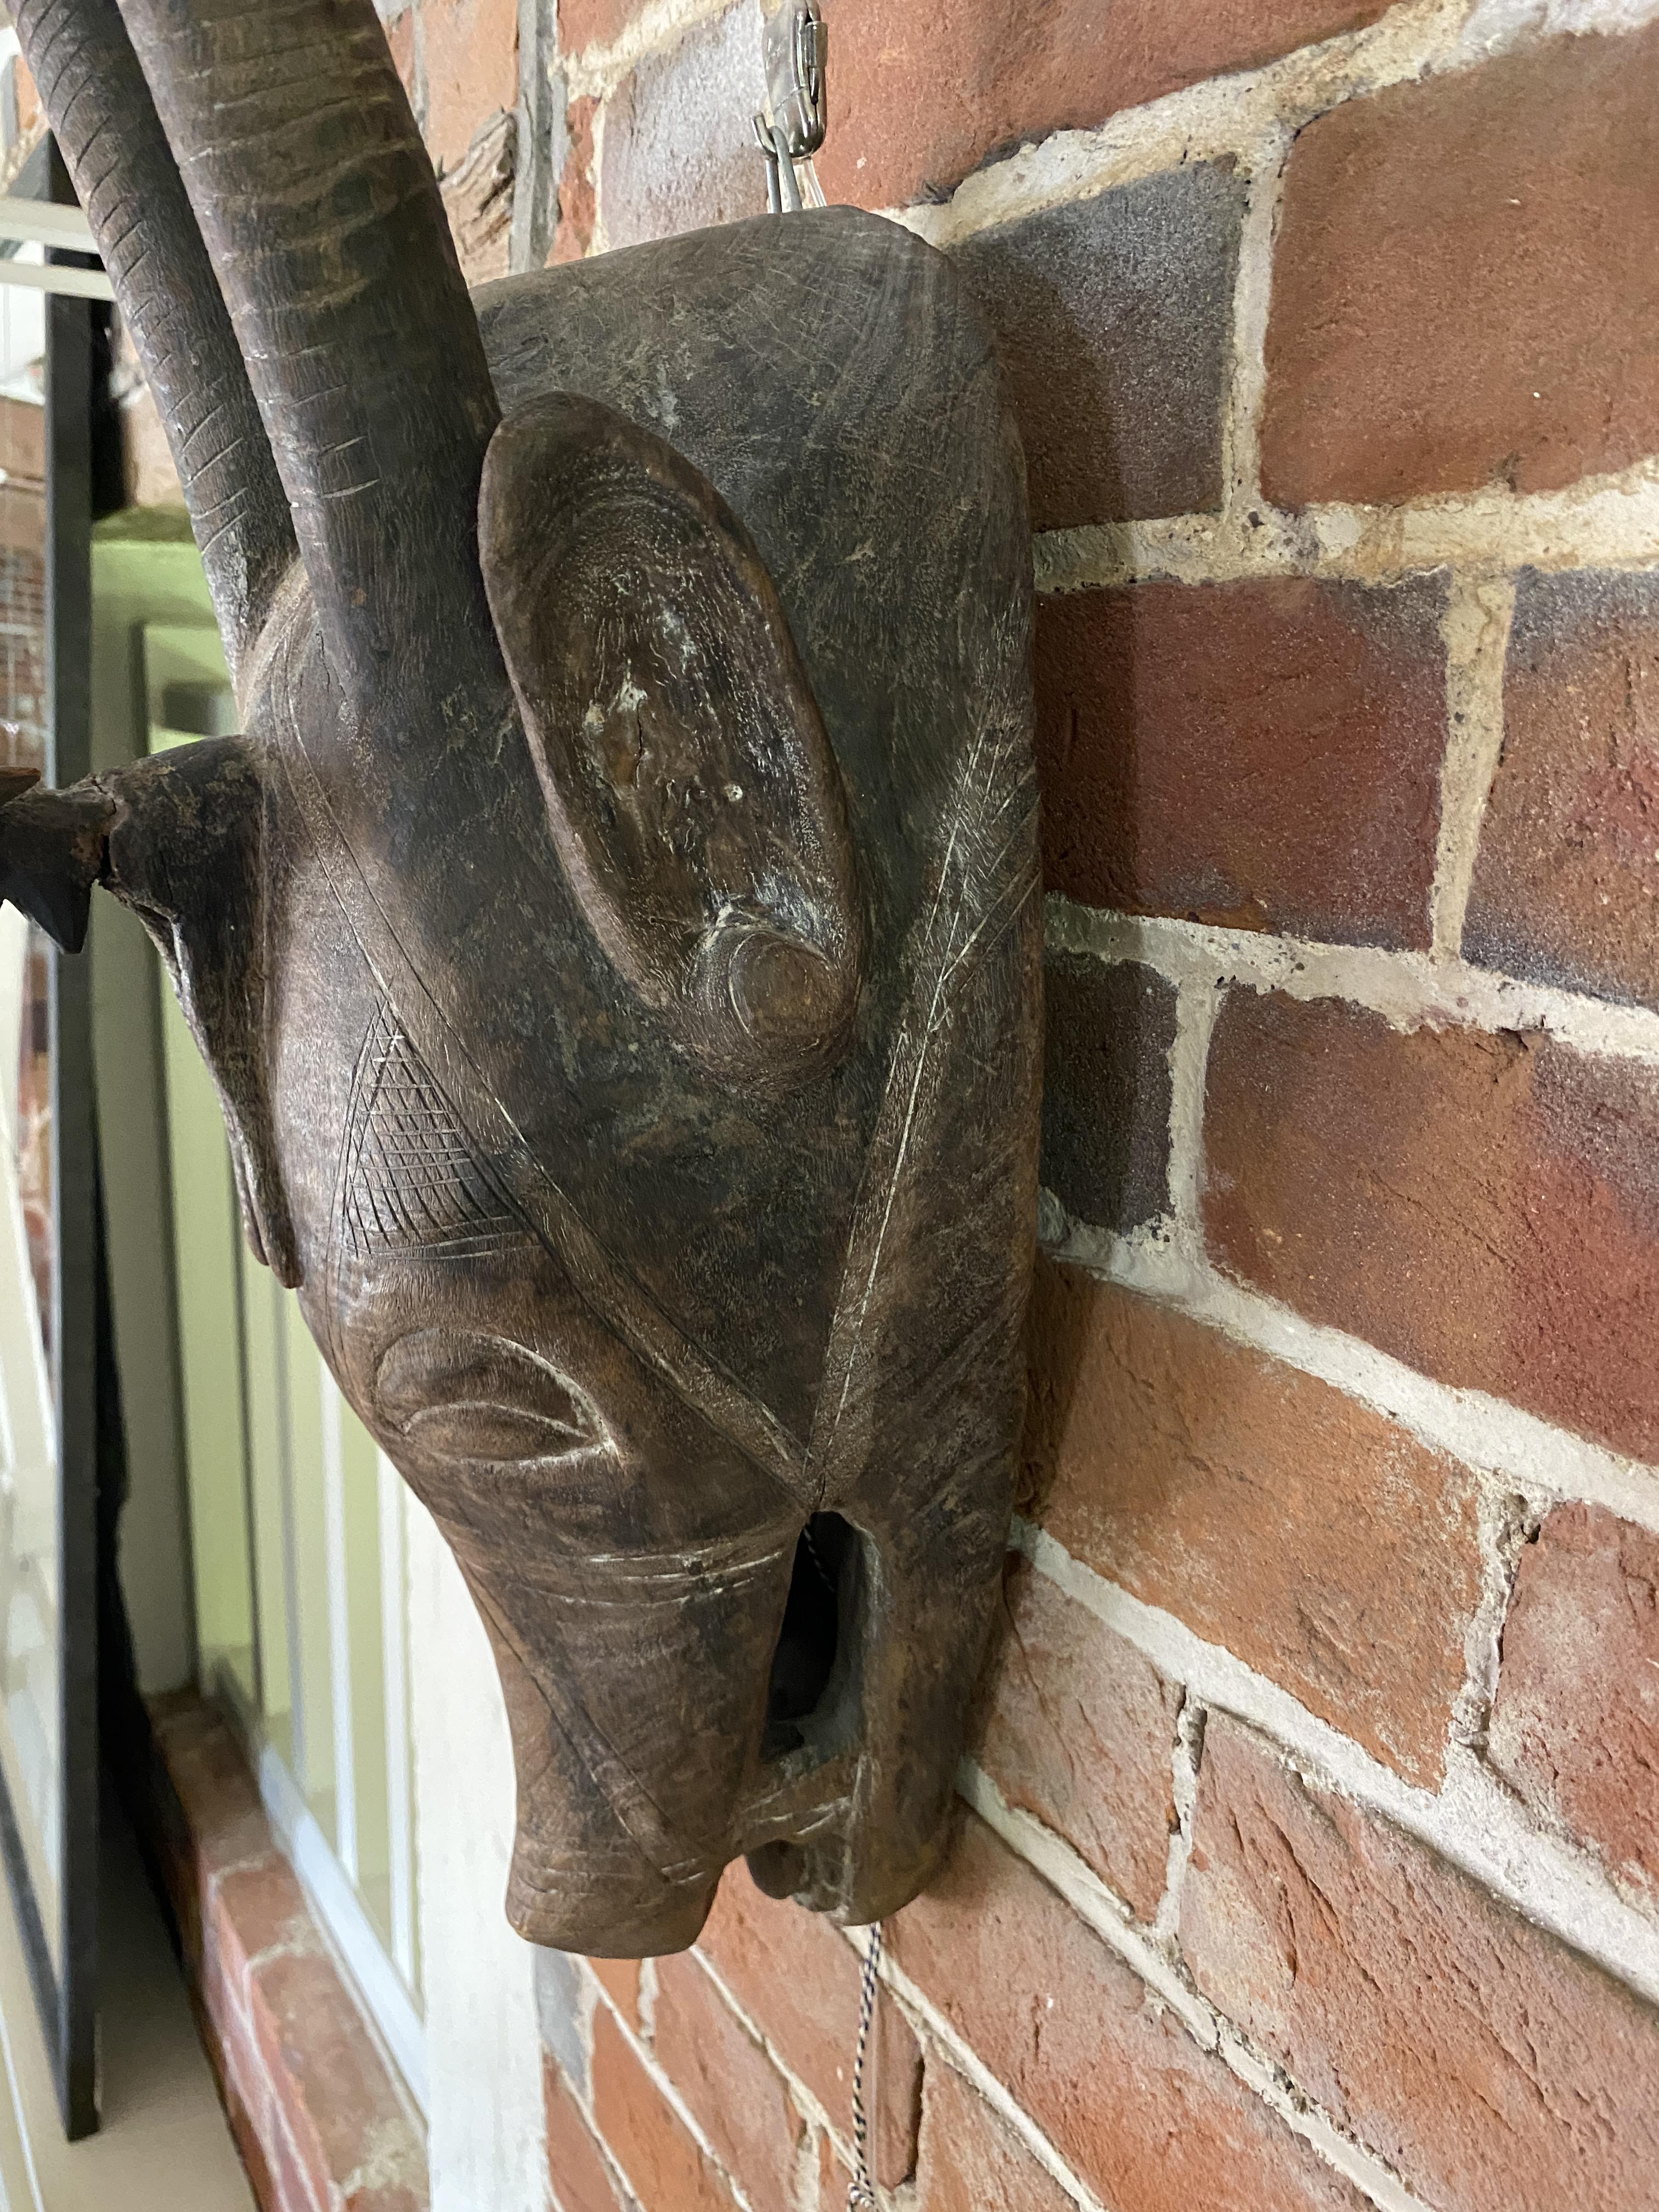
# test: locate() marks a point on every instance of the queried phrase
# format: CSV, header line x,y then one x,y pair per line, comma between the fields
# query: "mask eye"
x,y
466,1396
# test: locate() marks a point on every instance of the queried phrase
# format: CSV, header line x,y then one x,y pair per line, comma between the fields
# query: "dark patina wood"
x,y
614,939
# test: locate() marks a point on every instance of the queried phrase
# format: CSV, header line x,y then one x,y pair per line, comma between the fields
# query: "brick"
x,y
1566,883
1077,1730
470,49
579,2178
1462,293
594,22
972,2159
400,37
921,98
1135,2107
731,2087
1574,1728
250,2149
1485,1207
31,116
294,2189
797,1979
477,197
329,2083
1112,317
1495,2068
250,1912
833,2179
574,233
620,1979
224,1819
1275,1514
678,148
1106,1089
1262,755
667,2168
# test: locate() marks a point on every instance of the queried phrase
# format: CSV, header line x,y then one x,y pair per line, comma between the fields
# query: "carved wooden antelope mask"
x,y
615,937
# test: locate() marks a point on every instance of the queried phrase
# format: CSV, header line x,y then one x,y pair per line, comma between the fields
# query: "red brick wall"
x,y
1309,1853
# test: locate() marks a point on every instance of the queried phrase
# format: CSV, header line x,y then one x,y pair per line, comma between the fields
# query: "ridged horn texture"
x,y
113,141
321,216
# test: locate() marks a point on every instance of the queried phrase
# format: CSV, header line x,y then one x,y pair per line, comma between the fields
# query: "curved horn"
x,y
321,215
111,140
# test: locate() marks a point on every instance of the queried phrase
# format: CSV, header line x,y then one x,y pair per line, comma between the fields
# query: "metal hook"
x,y
796,50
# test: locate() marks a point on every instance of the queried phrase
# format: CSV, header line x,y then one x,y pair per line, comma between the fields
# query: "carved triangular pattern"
x,y
412,1177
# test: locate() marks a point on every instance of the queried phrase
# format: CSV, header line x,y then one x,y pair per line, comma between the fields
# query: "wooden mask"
x,y
614,939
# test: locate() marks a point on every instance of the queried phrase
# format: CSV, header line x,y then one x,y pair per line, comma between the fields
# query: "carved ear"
x,y
185,851
690,782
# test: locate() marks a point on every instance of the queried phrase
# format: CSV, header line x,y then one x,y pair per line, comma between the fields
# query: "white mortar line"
x,y
1476,630
1545,1464
1187,1751
1473,1821
1609,521
1240,442
598,239
598,69
1407,989
647,1998
1505,1520
1198,1000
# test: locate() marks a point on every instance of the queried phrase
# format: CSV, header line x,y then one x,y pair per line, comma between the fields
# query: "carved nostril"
x,y
810,1639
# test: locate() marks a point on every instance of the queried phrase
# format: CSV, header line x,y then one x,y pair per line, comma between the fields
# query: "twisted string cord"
x,y
861,2189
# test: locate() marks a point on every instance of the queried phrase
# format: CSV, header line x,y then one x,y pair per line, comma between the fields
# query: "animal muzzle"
x,y
672,1713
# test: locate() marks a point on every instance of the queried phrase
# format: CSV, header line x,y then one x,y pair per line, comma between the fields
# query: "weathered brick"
x,y
1566,883
294,2189
1106,1089
1112,317
578,2176
253,1911
798,1980
620,1979
731,2087
678,148
224,1819
1260,754
1077,1727
832,2178
922,97
1574,1728
578,205
667,2168
400,37
328,2081
1134,2106
594,22
1495,2068
470,49
971,2158
1485,1207
1463,292
1274,1514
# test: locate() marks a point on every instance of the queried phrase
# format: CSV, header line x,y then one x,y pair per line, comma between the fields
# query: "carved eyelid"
x,y
448,1375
